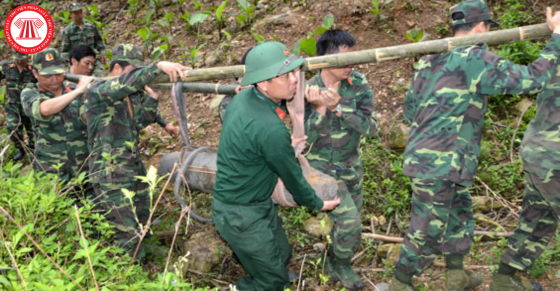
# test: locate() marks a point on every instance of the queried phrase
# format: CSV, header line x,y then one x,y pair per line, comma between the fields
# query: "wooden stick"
x,y
86,247
394,239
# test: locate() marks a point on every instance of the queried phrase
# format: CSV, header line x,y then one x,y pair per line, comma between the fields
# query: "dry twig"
x,y
86,247
500,199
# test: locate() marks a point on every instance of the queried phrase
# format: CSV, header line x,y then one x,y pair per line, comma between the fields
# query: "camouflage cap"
x,y
269,60
471,11
18,56
129,53
74,6
48,62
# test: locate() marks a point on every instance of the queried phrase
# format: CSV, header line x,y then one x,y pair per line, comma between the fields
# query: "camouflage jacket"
x,y
73,36
447,101
336,140
541,143
112,131
16,80
60,138
144,111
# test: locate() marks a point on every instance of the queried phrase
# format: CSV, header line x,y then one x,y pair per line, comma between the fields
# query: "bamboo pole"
x,y
530,32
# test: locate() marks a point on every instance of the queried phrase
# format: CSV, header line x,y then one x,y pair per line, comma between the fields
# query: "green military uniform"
x,y
540,151
334,150
255,149
16,120
113,141
445,106
61,148
88,34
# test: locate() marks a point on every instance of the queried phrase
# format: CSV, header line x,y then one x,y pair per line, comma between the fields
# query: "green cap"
x,y
74,6
48,62
471,11
18,56
129,53
269,60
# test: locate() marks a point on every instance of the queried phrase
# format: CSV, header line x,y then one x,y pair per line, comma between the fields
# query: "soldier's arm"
x,y
147,112
410,103
491,74
65,47
280,158
98,41
52,106
361,119
316,124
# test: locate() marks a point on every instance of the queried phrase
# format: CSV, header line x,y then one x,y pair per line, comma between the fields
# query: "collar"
x,y
275,106
322,84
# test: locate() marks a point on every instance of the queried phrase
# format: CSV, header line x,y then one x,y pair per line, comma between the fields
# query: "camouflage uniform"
x,y
540,151
334,150
60,137
73,36
113,140
144,114
445,106
16,120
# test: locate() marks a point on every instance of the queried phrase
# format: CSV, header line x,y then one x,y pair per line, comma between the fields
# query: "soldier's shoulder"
x,y
89,24
30,89
70,85
69,27
355,75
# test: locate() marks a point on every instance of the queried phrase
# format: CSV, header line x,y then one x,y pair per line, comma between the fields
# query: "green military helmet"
x,y
48,62
269,60
129,53
74,6
471,11
18,56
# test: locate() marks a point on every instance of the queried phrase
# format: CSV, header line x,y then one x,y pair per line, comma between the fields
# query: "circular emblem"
x,y
29,29
287,53
49,57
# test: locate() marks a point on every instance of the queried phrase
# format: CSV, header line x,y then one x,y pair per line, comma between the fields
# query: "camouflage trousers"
x,y
538,220
16,122
346,233
128,221
441,222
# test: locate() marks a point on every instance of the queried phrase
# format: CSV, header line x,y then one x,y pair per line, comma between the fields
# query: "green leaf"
x,y
169,16
243,4
328,21
259,38
197,18
220,10
197,5
241,18
309,46
143,32
376,4
104,36
320,30
227,34
415,35
2,94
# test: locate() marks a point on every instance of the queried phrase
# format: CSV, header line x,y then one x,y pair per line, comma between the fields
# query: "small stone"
x,y
389,251
206,249
215,104
398,136
319,226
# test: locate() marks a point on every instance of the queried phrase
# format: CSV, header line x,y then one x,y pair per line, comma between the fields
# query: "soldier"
x,y
17,74
540,152
335,121
445,106
254,151
82,60
159,119
115,160
53,104
83,32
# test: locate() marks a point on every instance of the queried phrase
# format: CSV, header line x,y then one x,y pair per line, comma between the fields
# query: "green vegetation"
x,y
308,44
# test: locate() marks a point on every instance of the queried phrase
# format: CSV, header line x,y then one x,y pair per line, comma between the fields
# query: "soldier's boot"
x,y
460,280
341,270
19,155
501,282
397,285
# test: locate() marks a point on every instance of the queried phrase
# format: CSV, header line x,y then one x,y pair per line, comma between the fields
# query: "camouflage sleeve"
x,y
65,47
130,82
146,113
362,118
98,40
161,120
410,103
492,74
31,102
280,158
315,124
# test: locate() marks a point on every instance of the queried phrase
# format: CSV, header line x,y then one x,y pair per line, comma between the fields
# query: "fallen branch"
x,y
395,239
500,199
516,129
86,247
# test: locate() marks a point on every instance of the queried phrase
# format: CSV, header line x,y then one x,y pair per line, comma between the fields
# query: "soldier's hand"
x,y
171,129
553,21
330,204
83,83
331,97
313,96
151,92
173,70
297,140
239,88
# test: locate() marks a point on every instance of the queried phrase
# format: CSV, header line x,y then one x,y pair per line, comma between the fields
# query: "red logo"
x,y
287,53
29,29
280,113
